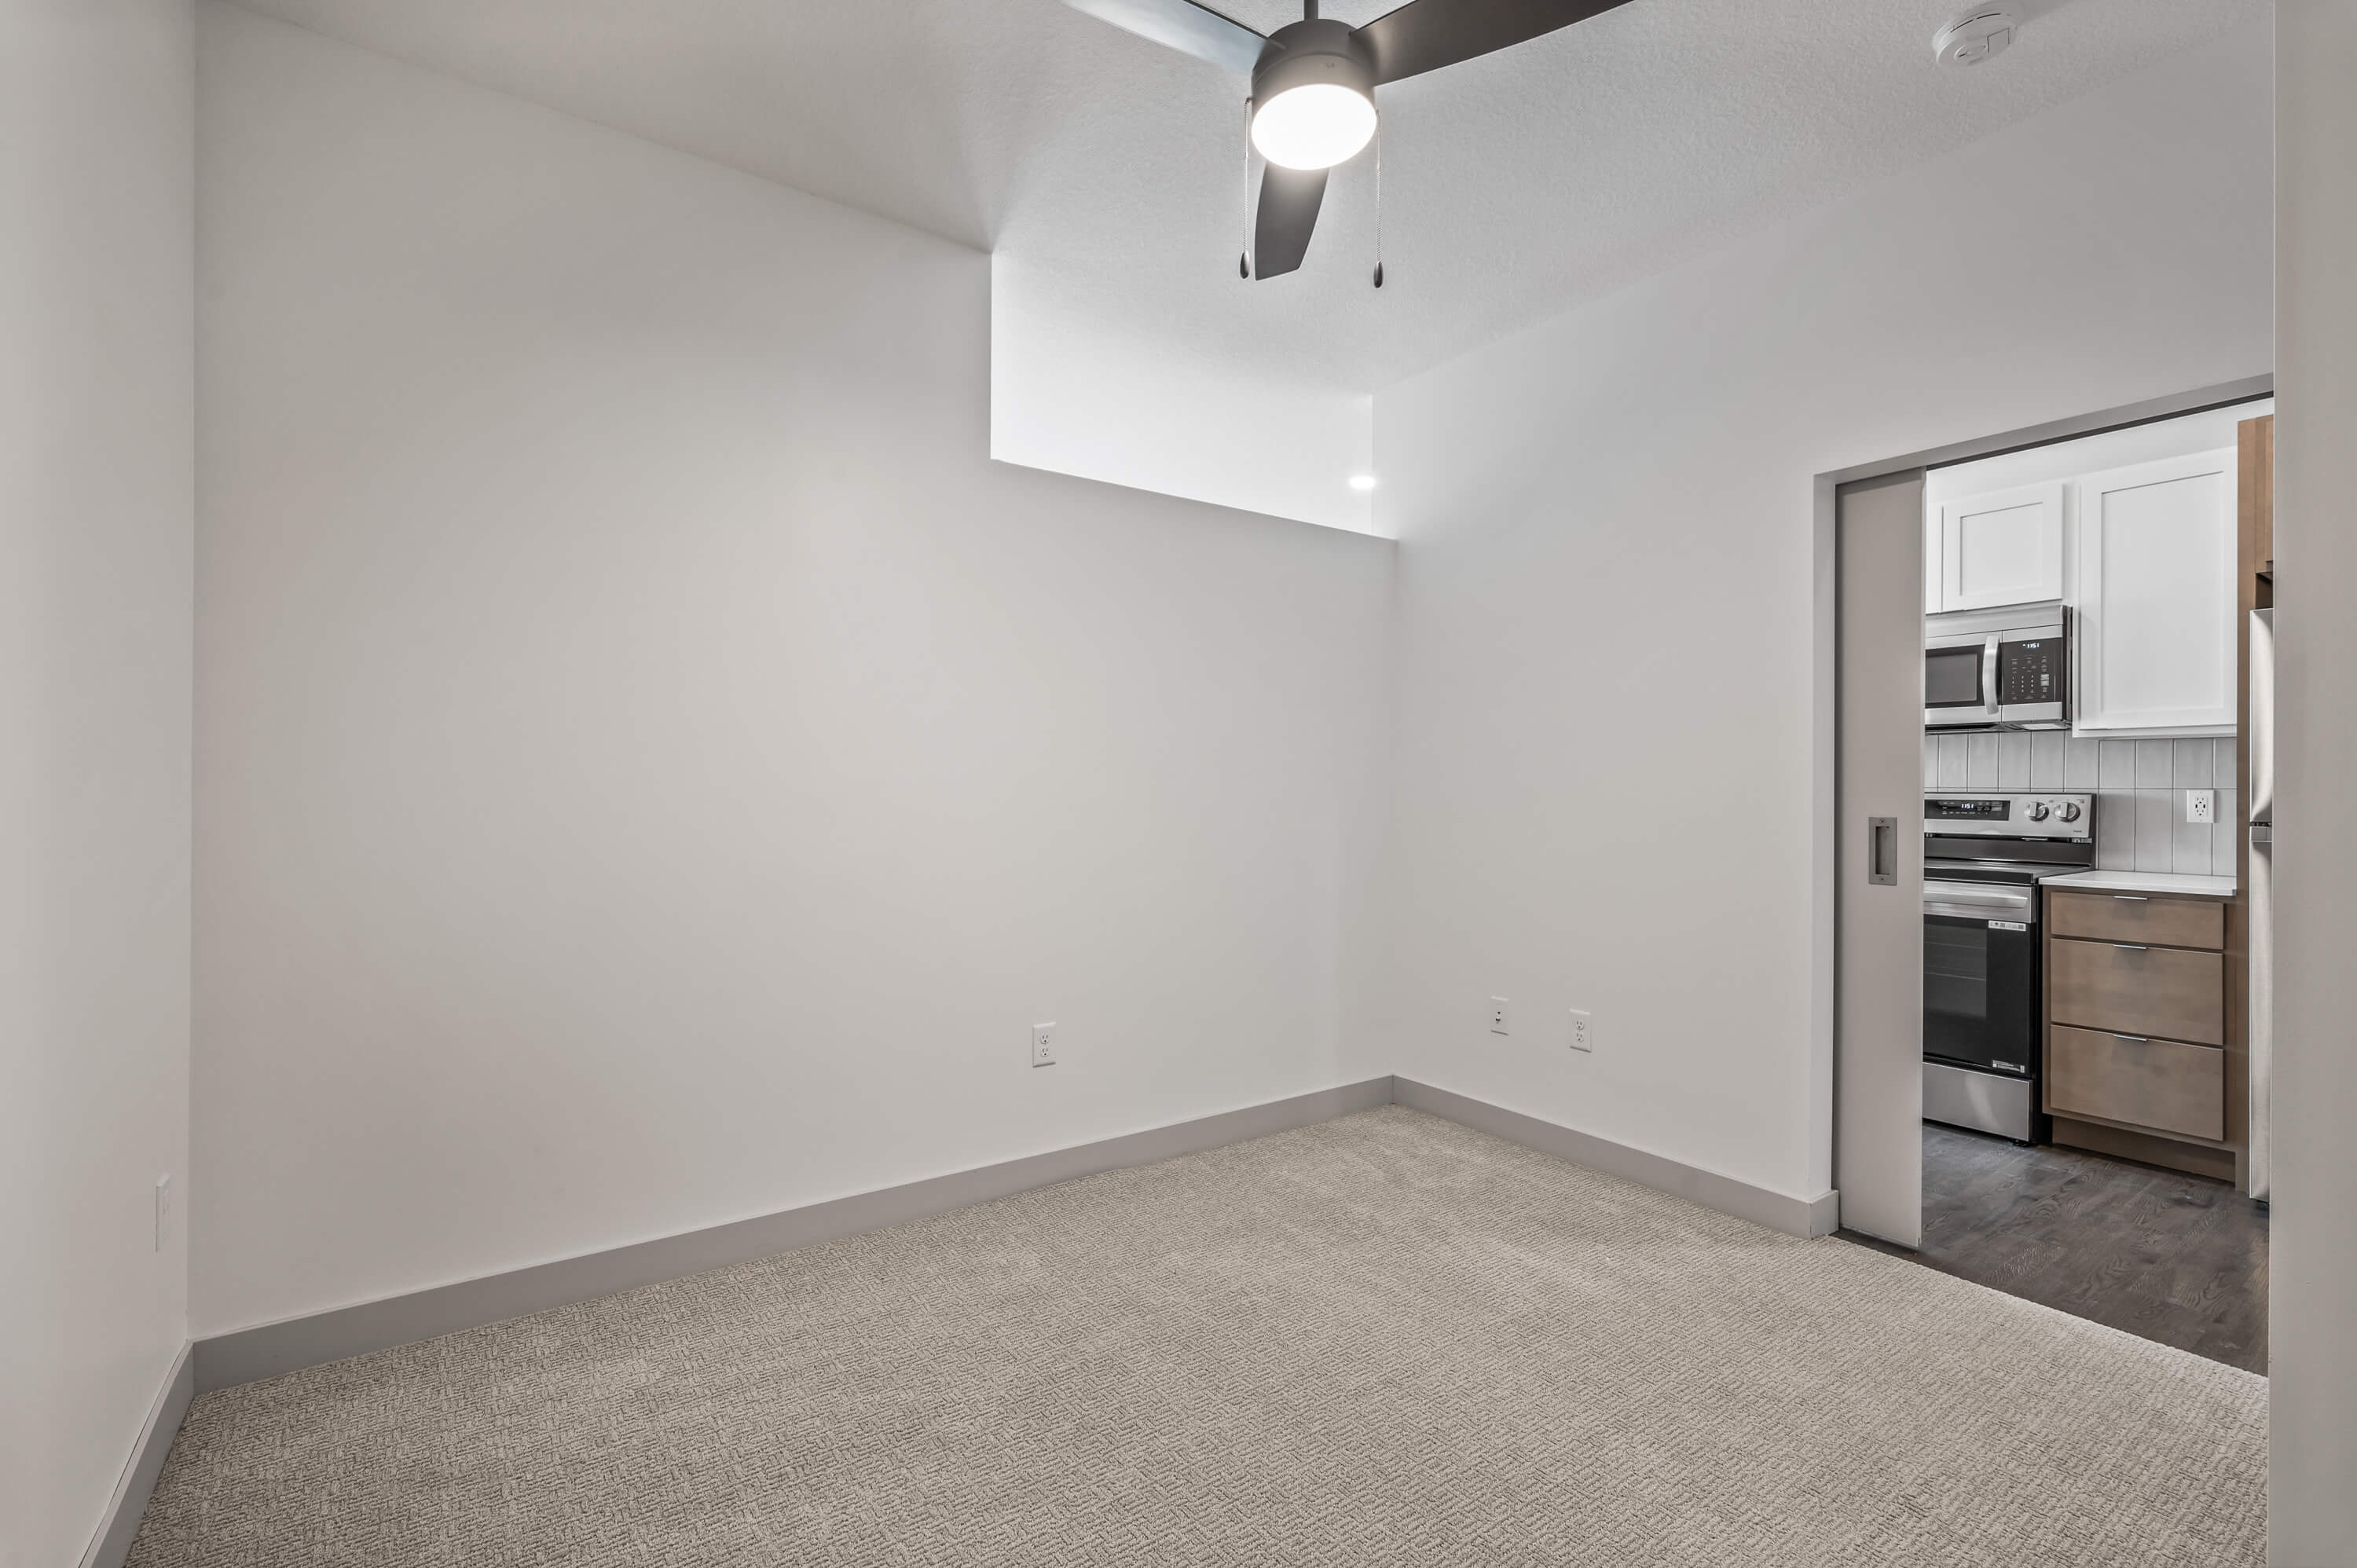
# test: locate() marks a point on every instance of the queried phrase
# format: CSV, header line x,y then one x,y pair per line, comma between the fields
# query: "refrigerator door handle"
x,y
2261,957
2262,1004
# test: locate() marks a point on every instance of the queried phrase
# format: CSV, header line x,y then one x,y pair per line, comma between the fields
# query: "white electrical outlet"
x,y
1583,1031
2201,805
1043,1044
1498,1021
163,1212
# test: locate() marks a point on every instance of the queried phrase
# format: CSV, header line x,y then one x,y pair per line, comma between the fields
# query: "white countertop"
x,y
2181,885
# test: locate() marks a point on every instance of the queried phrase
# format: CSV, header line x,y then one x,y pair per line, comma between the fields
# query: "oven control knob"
x,y
2070,811
2038,812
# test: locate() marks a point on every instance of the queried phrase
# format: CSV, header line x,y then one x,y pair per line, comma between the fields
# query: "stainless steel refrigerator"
x,y
2262,787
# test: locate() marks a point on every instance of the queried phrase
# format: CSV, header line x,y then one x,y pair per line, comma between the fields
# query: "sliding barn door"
x,y
1878,962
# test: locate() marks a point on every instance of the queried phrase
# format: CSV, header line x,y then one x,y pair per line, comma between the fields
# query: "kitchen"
x,y
2097,635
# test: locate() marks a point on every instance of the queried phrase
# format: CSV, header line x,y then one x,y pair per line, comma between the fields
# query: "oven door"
x,y
1960,684
1980,976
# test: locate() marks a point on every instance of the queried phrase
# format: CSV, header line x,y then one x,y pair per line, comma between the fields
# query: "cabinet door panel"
x,y
2174,992
2122,917
2156,624
2152,1083
2002,548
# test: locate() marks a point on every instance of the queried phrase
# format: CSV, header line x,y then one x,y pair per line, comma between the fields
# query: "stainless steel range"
x,y
1984,857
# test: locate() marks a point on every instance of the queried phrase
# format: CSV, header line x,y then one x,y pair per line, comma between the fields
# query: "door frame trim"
x,y
2226,394
1826,732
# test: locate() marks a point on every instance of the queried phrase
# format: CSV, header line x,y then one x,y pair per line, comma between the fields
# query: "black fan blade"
x,y
1288,211
1183,26
1424,35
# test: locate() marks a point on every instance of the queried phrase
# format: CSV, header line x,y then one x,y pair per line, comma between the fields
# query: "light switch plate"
x,y
1499,1024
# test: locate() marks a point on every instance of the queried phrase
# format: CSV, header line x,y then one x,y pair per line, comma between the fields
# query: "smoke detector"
x,y
1981,34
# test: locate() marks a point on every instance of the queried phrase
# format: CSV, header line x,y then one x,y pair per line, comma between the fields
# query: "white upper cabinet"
x,y
2001,548
2156,596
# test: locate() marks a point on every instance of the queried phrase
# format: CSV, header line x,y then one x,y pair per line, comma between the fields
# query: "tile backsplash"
x,y
2138,787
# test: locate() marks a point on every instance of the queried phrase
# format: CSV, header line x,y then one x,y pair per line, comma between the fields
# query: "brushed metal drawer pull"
x,y
2131,899
2132,946
2140,1039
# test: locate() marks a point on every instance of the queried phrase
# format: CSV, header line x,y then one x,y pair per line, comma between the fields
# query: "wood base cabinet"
x,y
2137,1028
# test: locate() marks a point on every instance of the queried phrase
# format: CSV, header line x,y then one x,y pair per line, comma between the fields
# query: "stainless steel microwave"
x,y
2002,668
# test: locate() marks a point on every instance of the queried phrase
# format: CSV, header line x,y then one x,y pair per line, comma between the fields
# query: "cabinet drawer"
x,y
2169,992
2114,917
2151,1083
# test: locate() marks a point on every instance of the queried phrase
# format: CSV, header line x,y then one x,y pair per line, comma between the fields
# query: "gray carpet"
x,y
1386,1339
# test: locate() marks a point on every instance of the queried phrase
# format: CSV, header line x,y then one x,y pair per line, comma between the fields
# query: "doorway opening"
x,y
2050,864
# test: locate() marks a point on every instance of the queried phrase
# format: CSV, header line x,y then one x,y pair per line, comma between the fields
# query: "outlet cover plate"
x,y
1583,1031
1043,1044
1500,1020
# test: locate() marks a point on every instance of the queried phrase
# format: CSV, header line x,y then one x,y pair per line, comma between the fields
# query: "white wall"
x,y
2312,1267
653,767
1608,590
1076,392
95,600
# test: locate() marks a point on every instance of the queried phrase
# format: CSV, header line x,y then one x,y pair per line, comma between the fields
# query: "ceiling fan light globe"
x,y
1314,126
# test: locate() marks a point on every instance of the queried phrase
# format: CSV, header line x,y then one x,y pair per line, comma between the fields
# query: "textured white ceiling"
x,y
1513,185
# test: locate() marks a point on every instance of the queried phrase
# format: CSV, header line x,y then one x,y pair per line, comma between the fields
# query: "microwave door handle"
x,y
1989,671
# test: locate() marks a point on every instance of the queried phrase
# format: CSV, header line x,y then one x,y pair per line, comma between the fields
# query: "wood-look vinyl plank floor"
x,y
2163,1254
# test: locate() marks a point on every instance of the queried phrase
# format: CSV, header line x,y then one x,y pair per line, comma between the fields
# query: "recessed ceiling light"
x,y
1362,481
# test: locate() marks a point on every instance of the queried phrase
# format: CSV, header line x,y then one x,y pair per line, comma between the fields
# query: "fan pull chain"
x,y
1379,204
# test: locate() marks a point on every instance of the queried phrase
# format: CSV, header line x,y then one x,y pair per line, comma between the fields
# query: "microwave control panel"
x,y
2035,670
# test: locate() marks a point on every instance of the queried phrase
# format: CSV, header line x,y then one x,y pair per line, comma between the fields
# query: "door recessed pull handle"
x,y
1882,851
2132,946
2131,899
2140,1039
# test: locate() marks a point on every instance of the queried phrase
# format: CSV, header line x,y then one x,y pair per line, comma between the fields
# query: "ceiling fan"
x,y
1313,84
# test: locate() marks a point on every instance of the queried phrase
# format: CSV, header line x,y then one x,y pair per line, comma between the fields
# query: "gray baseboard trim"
x,y
265,1351
1777,1210
112,1541
288,1346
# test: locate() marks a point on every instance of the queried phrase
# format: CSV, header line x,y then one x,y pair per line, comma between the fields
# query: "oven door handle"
x,y
1967,902
1976,893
